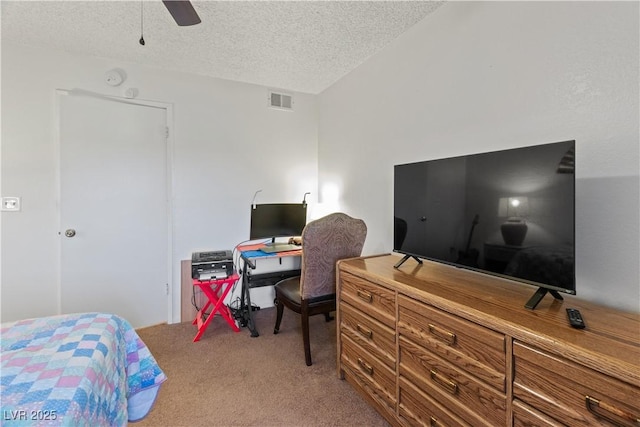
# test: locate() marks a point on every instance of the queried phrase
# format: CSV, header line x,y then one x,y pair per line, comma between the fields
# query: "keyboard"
x,y
280,247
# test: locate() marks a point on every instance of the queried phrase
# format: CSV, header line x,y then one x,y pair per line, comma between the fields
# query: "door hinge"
x,y
166,132
167,288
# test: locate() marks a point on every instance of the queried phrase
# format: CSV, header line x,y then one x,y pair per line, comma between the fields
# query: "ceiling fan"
x,y
182,11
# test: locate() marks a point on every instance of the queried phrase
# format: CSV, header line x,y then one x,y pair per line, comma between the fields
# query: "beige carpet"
x,y
231,379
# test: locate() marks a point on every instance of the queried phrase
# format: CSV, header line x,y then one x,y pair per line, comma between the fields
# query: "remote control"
x,y
575,318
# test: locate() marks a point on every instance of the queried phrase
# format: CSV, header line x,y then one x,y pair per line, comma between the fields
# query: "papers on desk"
x,y
280,247
255,251
255,254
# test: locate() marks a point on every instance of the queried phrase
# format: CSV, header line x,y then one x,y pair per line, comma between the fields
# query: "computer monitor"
x,y
269,221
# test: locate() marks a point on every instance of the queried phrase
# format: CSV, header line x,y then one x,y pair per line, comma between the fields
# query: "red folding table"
x,y
212,289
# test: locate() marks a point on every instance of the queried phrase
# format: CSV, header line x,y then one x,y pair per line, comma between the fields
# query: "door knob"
x,y
70,232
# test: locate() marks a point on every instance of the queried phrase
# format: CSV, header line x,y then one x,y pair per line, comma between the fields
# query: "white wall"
x,y
227,144
484,76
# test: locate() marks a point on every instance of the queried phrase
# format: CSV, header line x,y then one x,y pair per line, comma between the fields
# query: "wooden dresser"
x,y
435,345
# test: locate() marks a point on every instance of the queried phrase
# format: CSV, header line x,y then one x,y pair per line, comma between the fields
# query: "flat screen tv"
x,y
272,220
508,213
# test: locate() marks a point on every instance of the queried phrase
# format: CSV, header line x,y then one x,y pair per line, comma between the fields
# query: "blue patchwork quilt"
x,y
88,369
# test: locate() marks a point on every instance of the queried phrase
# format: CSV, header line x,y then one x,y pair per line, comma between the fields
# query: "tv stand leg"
x,y
556,295
406,257
538,295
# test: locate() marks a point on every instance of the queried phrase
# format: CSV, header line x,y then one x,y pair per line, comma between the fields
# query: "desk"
x,y
249,255
211,288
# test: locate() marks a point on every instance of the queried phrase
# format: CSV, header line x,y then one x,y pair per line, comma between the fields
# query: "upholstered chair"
x,y
324,241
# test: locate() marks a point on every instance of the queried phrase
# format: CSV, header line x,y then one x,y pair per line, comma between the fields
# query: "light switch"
x,y
11,204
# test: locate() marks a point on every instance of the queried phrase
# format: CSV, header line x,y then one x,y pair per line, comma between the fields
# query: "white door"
x,y
113,209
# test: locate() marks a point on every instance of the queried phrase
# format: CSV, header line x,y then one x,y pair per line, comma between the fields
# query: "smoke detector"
x,y
114,77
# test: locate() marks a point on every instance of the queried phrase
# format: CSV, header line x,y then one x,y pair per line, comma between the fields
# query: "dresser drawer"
x,y
476,349
378,302
571,393
526,416
371,335
371,395
417,408
451,386
369,370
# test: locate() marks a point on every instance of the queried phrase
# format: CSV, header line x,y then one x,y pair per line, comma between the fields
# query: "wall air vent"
x,y
280,101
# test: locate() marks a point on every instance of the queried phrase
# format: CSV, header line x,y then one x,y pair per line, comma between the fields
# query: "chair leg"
x,y
304,317
279,311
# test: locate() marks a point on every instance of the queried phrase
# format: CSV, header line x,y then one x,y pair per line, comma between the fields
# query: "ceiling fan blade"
x,y
182,11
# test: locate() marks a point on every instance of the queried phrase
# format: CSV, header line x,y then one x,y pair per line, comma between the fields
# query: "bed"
x,y
88,369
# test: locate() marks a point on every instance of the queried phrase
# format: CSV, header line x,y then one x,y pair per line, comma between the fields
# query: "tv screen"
x,y
509,213
277,220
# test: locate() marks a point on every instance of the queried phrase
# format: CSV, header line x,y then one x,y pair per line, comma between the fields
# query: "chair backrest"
x,y
325,241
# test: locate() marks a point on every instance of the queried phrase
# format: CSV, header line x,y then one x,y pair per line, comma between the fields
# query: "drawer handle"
x,y
597,408
433,422
365,296
367,333
449,337
451,386
364,365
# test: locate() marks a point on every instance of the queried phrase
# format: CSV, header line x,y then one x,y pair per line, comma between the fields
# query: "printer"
x,y
211,265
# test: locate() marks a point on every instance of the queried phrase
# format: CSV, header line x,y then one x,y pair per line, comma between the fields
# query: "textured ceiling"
x,y
301,46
